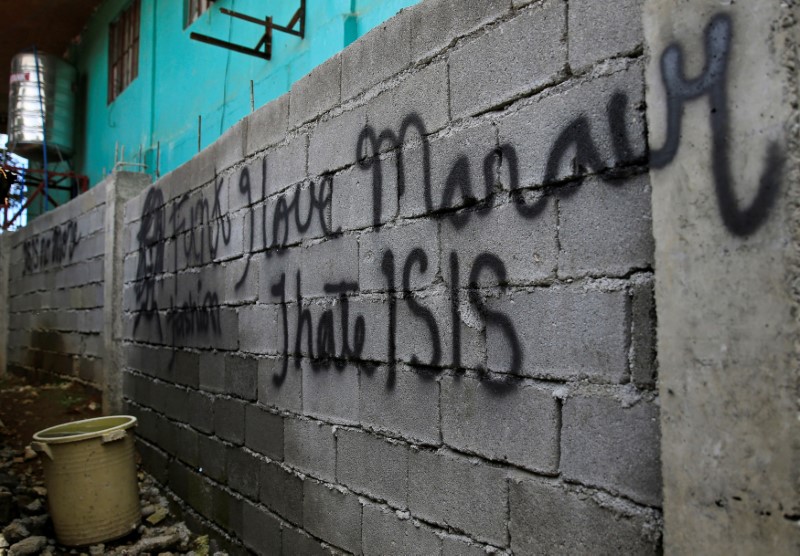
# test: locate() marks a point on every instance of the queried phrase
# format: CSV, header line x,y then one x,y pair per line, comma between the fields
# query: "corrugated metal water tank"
x,y
58,85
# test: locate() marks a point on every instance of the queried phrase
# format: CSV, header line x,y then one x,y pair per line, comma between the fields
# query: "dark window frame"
x,y
123,50
193,9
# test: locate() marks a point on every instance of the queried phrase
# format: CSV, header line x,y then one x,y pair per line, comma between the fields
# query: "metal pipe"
x,y
123,164
228,45
44,122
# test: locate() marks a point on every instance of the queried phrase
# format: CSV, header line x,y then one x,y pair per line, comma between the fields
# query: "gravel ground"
x,y
25,525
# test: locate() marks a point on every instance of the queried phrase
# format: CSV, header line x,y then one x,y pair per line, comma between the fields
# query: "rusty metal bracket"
x,y
298,20
33,179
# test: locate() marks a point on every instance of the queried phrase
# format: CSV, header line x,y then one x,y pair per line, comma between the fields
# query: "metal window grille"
x,y
196,8
123,50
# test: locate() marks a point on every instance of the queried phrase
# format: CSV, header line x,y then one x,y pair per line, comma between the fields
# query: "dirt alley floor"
x,y
27,407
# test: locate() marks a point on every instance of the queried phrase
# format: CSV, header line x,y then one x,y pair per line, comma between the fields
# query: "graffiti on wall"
x,y
199,228
713,84
54,247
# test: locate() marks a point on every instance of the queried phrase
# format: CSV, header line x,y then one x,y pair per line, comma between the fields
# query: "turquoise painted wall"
x,y
180,79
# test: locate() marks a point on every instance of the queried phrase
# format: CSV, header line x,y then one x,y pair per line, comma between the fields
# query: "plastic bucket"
x,y
90,474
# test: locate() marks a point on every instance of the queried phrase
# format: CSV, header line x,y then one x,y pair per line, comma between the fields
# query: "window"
x,y
123,50
194,9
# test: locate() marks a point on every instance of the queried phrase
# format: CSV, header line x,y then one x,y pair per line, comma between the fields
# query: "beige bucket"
x,y
90,474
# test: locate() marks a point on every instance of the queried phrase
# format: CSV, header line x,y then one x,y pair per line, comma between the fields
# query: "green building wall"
x,y
181,79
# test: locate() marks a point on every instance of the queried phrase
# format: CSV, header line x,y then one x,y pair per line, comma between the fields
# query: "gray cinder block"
x,y
268,125
388,532
460,492
264,432
229,419
599,31
606,228
546,517
373,466
436,23
261,529
332,144
330,392
243,469
281,491
408,408
563,332
605,444
524,54
379,54
542,131
317,92
514,422
311,448
332,515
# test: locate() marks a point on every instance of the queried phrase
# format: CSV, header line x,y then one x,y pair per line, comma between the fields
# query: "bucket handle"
x,y
113,436
42,447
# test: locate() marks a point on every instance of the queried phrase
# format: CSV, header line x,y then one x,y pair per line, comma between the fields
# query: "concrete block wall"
x,y
408,307
55,291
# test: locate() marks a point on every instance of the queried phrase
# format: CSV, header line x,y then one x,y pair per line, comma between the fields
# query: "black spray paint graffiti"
x,y
576,135
55,247
286,214
199,227
323,352
712,82
150,258
320,342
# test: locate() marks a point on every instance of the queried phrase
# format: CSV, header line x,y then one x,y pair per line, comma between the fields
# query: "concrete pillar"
x,y
5,258
722,108
120,188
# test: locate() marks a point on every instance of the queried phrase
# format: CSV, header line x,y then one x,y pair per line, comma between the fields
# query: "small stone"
x,y
35,507
31,545
7,481
3,542
158,516
149,510
200,545
29,454
36,524
153,544
40,490
185,536
15,531
97,550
